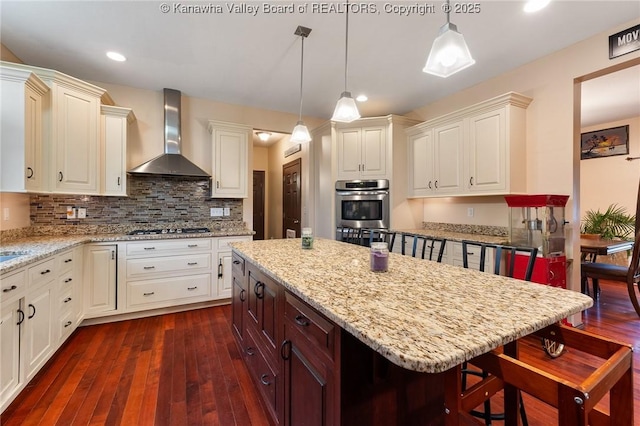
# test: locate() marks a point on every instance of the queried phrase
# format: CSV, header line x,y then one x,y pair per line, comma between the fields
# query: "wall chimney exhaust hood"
x,y
172,162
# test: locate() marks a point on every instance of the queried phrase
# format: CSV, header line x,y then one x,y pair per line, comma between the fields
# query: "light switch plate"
x,y
227,211
82,213
216,212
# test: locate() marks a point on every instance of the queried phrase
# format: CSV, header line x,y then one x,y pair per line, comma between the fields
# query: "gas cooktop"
x,y
169,231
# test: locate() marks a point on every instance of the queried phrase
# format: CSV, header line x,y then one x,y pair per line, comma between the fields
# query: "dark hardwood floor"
x,y
185,369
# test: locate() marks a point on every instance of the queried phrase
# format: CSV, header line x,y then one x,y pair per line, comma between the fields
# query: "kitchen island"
x,y
380,348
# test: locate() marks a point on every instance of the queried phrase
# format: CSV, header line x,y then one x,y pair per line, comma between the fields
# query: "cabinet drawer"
x,y
165,247
66,325
176,290
13,286
137,268
66,261
263,374
66,301
238,264
42,272
223,243
319,331
66,280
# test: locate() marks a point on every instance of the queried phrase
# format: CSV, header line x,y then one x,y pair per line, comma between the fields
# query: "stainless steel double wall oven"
x,y
362,204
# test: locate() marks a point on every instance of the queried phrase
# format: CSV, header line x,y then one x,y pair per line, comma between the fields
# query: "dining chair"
x,y
605,271
426,250
381,235
351,235
509,254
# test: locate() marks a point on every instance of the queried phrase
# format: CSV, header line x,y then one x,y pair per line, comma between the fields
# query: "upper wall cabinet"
x,y
230,148
114,123
362,151
479,150
23,97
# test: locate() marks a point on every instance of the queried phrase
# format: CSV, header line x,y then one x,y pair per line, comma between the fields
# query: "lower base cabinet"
x,y
100,276
11,317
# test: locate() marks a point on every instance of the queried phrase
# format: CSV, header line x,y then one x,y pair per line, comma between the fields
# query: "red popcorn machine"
x,y
538,221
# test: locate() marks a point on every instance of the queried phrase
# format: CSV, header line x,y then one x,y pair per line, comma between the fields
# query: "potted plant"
x,y
613,223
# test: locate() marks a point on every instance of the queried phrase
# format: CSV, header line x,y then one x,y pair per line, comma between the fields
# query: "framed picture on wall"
x,y
604,143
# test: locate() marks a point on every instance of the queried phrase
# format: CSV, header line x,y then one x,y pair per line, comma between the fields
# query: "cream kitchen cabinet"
x,y
23,97
100,279
11,320
114,123
479,150
362,152
230,161
69,292
225,265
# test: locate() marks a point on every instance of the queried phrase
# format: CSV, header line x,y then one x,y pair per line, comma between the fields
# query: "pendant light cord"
x,y
301,76
448,11
346,47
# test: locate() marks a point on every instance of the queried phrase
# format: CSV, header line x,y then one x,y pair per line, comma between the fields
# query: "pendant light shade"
x,y
346,109
300,133
449,52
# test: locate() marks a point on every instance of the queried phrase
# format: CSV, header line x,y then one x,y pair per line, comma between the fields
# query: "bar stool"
x,y
509,268
351,235
429,246
381,235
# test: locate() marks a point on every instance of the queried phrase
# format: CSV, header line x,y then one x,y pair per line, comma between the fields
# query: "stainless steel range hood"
x,y
172,162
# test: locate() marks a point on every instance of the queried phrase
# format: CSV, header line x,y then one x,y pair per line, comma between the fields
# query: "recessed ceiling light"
x,y
535,5
116,56
362,98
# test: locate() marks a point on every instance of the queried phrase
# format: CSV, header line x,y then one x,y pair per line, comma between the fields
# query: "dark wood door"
x,y
291,197
258,204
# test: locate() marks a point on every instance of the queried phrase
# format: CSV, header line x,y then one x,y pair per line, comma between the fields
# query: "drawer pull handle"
x,y
7,290
192,263
21,315
220,269
192,245
45,272
60,176
67,300
30,175
250,351
236,262
148,267
259,290
242,296
264,379
34,311
149,248
192,288
302,320
68,280
470,253
149,294
285,349
67,324
68,260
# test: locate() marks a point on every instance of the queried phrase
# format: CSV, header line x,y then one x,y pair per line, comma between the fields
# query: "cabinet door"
x,y
374,152
75,142
349,157
99,279
448,158
309,385
486,152
11,316
40,327
238,305
114,151
262,308
420,160
33,141
230,163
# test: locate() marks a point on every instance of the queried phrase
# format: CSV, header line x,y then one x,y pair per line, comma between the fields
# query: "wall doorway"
x,y
291,197
258,204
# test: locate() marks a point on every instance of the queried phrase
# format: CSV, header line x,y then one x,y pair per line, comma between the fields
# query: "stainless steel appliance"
x,y
362,204
169,231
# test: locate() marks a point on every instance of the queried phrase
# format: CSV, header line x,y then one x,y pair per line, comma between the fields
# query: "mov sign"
x,y
624,42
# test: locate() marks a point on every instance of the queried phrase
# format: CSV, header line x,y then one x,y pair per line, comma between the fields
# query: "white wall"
x,y
17,208
609,180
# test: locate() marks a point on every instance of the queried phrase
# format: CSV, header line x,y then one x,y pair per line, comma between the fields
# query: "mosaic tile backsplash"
x,y
152,200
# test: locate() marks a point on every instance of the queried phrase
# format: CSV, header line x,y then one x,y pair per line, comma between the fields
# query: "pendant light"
x,y
346,110
300,133
449,52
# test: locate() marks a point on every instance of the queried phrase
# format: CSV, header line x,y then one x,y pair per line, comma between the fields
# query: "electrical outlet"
x,y
71,212
470,212
216,212
227,211
82,213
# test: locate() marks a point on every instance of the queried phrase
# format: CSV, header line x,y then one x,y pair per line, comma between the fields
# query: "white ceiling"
x,y
254,60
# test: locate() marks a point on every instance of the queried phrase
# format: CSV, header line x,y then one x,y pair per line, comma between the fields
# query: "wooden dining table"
x,y
602,247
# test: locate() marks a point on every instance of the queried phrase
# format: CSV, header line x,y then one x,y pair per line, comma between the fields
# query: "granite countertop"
x,y
458,236
421,315
41,247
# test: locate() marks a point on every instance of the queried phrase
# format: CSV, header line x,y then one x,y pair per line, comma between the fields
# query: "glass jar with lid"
x,y
379,257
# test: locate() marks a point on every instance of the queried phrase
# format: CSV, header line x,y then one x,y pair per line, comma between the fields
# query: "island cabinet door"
x,y
310,395
263,308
